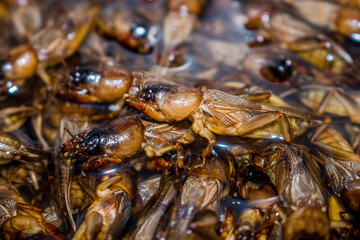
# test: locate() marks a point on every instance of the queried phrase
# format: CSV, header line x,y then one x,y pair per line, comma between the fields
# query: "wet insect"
x,y
108,215
128,27
117,141
180,21
13,118
26,17
256,187
228,137
23,220
12,149
338,101
81,193
341,164
52,44
258,13
250,224
203,188
322,53
308,44
333,16
340,219
213,111
96,84
148,221
123,138
301,188
280,71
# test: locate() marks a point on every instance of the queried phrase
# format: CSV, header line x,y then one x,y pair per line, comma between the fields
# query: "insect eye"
x,y
250,170
281,70
79,76
91,141
149,93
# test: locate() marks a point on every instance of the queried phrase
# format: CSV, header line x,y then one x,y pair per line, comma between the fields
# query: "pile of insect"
x,y
180,119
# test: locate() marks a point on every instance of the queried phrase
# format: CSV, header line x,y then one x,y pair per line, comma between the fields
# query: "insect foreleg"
x,y
199,128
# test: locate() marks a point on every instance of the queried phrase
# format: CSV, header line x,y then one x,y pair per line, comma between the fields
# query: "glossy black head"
x,y
255,175
91,142
81,146
150,92
83,75
280,71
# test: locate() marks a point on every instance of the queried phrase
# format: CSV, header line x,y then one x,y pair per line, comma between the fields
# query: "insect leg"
x,y
92,226
350,106
180,155
257,97
286,128
151,151
86,188
324,102
97,162
199,128
41,71
257,122
105,185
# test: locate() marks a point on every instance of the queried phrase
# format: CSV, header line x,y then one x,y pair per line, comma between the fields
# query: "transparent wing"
x,y
164,131
229,109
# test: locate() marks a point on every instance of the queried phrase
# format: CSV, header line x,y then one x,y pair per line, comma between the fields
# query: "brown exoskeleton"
x,y
81,194
108,215
59,39
20,220
124,137
85,95
128,27
306,42
26,17
96,84
179,23
191,6
256,187
13,118
203,188
341,221
30,161
12,149
27,222
301,187
338,101
213,111
148,221
342,165
335,17
117,141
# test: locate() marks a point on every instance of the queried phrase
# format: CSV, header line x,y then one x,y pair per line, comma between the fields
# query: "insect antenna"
x,y
68,131
140,83
62,61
